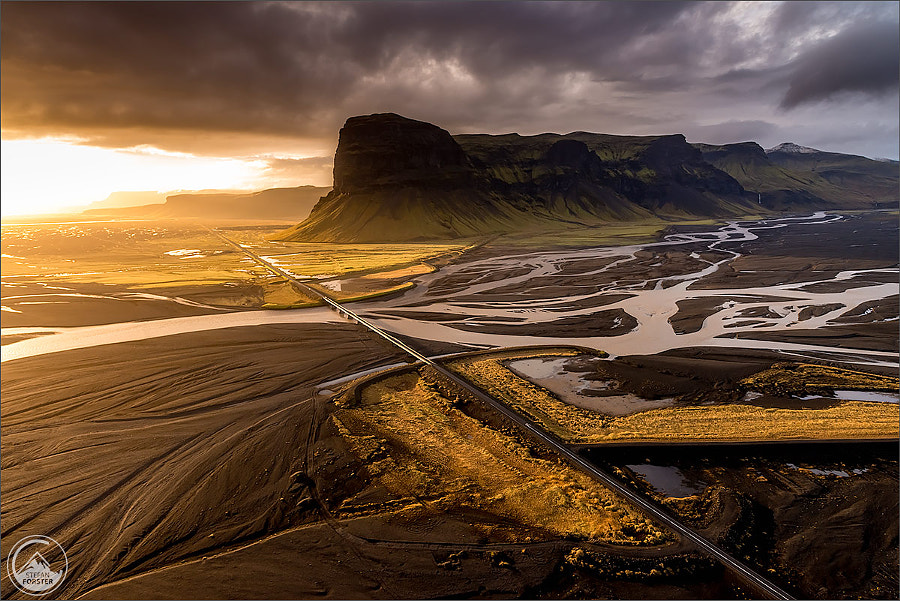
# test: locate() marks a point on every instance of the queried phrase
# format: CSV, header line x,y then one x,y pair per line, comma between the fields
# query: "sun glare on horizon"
x,y
52,175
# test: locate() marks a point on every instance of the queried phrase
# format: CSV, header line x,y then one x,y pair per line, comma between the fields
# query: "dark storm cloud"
x,y
231,66
862,58
189,74
271,67
796,18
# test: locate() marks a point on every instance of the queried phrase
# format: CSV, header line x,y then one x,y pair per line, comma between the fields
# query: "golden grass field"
x,y
134,254
845,420
318,260
607,234
155,256
420,447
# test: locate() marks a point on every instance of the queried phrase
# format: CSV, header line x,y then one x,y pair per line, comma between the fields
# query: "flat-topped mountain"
x,y
274,203
397,179
123,199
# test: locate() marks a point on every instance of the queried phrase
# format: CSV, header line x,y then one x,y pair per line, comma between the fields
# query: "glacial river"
x,y
653,303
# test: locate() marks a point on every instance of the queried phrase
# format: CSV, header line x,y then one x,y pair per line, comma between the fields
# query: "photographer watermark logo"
x,y
37,565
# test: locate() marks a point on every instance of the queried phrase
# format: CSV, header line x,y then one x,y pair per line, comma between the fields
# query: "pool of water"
x,y
668,480
571,387
864,395
860,395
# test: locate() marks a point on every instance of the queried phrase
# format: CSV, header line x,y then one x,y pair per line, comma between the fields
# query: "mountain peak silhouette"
x,y
37,562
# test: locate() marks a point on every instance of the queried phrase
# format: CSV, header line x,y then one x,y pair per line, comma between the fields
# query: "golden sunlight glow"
x,y
52,175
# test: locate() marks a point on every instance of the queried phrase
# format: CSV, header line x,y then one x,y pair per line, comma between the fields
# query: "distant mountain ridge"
x,y
123,199
790,176
274,203
397,179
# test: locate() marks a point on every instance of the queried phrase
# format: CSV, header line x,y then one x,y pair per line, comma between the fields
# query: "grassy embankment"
x,y
744,421
417,444
804,379
352,272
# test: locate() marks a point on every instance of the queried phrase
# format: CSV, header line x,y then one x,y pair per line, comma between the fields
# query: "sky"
x,y
98,97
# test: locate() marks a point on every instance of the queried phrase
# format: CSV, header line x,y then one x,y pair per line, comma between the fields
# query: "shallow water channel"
x,y
651,302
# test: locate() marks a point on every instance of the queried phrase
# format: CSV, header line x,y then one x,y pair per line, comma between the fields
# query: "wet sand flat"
x,y
31,304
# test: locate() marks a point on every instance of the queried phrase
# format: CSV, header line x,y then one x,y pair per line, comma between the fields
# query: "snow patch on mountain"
x,y
791,147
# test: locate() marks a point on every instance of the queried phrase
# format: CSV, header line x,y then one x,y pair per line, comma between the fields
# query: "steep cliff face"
x,y
396,179
388,151
551,174
678,181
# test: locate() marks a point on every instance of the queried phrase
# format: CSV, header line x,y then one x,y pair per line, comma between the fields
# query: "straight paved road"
x,y
741,570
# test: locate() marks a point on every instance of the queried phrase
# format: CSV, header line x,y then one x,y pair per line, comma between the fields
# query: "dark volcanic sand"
x,y
137,454
140,456
871,336
117,303
800,253
612,322
421,553
315,561
693,311
696,376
